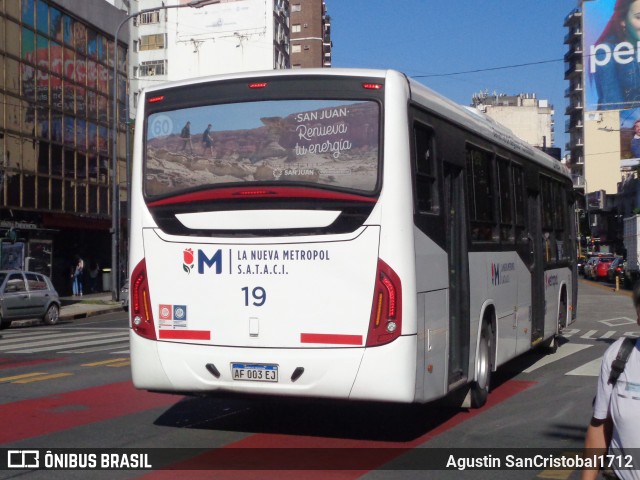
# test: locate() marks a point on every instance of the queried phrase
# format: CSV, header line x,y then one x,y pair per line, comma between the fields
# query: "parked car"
x,y
601,267
589,267
124,296
27,295
616,269
581,262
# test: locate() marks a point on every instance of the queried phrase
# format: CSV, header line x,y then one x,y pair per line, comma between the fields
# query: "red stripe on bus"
x,y
185,334
331,338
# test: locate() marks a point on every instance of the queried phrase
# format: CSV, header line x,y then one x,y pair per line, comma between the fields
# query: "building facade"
x,y
526,116
56,97
225,37
310,34
603,106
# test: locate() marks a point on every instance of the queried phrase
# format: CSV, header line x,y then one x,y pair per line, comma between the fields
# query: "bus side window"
x,y
426,171
480,189
549,220
506,201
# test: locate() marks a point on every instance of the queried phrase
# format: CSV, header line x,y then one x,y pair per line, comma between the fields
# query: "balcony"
x,y
574,16
578,181
569,125
572,68
573,90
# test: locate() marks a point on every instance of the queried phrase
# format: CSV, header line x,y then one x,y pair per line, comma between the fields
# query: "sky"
x,y
433,41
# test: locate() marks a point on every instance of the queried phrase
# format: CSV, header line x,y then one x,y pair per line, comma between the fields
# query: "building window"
x,y
296,8
154,67
296,48
295,28
152,42
147,18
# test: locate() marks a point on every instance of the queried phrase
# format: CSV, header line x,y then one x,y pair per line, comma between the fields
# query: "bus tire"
x,y
4,323
480,387
550,345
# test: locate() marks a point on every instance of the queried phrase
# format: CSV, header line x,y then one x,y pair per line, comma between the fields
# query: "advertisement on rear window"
x,y
324,142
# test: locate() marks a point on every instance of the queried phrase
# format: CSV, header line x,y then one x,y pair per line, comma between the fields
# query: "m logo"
x,y
495,274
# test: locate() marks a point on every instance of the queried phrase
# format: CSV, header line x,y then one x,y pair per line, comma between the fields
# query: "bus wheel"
x,y
480,387
4,323
551,344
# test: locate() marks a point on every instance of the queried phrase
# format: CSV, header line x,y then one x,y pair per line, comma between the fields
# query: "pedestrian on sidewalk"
x,y
94,271
76,276
614,429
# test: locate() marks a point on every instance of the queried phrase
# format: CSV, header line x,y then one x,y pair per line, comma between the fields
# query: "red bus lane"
x,y
42,416
260,455
263,456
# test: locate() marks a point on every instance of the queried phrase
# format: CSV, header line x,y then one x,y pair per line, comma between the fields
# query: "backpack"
x,y
617,366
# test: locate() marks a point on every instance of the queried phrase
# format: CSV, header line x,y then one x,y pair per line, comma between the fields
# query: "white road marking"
x,y
562,352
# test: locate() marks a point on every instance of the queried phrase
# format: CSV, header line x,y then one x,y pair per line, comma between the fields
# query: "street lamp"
x,y
115,197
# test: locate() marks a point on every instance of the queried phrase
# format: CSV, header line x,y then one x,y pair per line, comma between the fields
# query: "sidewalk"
x,y
88,306
74,308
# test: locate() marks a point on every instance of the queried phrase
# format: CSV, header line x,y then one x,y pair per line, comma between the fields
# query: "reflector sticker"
x,y
331,338
185,334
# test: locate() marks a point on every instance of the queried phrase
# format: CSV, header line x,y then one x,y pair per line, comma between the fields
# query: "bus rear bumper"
x,y
384,373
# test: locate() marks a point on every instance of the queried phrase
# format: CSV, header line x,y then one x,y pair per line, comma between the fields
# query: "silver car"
x,y
124,296
27,295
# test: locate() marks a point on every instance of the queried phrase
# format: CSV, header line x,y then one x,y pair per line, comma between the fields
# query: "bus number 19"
x,y
258,295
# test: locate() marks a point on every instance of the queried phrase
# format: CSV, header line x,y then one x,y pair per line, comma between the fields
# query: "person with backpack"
x,y
614,428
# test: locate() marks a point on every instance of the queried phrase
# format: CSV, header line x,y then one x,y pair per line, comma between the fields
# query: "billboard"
x,y
230,18
612,67
611,36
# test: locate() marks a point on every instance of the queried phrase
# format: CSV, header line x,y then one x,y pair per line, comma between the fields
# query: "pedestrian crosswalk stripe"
x,y
59,338
57,347
48,342
589,369
563,351
102,348
588,335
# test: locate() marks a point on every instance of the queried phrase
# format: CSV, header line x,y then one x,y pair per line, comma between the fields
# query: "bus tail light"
x,y
386,312
141,313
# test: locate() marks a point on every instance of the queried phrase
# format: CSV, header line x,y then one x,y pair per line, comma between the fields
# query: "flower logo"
x,y
187,258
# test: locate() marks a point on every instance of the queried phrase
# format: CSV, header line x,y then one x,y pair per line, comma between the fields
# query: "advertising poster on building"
x,y
612,67
611,34
232,18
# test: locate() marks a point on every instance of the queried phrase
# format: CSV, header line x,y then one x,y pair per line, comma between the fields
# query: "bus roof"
x,y
466,117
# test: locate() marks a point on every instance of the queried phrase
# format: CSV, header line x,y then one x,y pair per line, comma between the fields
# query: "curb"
x,y
92,313
68,316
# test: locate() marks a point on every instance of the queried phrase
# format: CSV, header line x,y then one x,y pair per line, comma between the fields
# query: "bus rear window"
x,y
329,143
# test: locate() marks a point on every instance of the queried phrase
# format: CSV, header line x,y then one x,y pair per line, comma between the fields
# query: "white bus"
x,y
339,233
